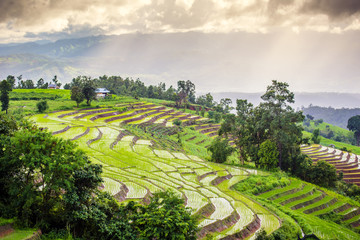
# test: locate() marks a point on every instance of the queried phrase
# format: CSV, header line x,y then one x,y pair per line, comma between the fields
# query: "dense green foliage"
x,y
46,182
42,106
5,88
272,120
32,183
315,136
220,150
354,125
258,184
268,155
87,86
77,95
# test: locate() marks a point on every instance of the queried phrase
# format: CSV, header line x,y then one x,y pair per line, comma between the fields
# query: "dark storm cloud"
x,y
333,8
21,20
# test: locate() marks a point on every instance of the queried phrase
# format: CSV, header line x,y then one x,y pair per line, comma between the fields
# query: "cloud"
x,y
52,18
334,9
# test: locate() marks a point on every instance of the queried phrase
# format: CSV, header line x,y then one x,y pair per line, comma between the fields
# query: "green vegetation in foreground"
x,y
20,234
64,194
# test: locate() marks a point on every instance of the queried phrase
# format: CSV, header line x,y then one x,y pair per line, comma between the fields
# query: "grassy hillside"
x,y
141,155
142,151
338,117
330,131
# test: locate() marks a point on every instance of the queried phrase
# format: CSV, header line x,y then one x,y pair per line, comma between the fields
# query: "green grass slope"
x,y
141,154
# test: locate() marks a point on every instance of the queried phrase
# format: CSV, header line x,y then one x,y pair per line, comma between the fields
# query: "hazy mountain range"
x,y
151,57
302,99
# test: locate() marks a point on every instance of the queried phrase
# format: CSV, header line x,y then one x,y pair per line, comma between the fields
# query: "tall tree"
x,y
239,128
225,105
11,79
77,95
29,84
40,83
280,120
186,91
315,137
5,88
354,125
88,89
19,80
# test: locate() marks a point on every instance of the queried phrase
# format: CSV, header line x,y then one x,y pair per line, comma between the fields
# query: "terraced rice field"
x,y
309,201
345,162
135,166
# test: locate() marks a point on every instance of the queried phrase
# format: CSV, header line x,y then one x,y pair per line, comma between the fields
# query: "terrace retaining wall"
x,y
219,225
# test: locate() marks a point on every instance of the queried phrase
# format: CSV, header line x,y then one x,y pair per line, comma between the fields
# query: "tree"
x,y
315,137
280,122
186,91
268,155
67,86
354,126
40,83
77,95
39,170
310,117
239,127
166,218
5,88
42,106
29,84
323,174
11,80
225,104
220,150
88,89
217,117
272,120
19,80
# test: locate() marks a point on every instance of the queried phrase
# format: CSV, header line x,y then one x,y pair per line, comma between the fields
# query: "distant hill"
x,y
37,66
302,99
338,117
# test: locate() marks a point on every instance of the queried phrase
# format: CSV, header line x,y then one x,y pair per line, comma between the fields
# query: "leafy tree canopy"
x,y
354,125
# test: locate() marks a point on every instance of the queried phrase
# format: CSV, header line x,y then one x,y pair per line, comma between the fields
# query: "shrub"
x,y
220,150
42,106
177,122
258,184
120,109
315,136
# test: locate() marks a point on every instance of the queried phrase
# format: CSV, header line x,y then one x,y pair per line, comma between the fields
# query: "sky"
x,y
314,45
